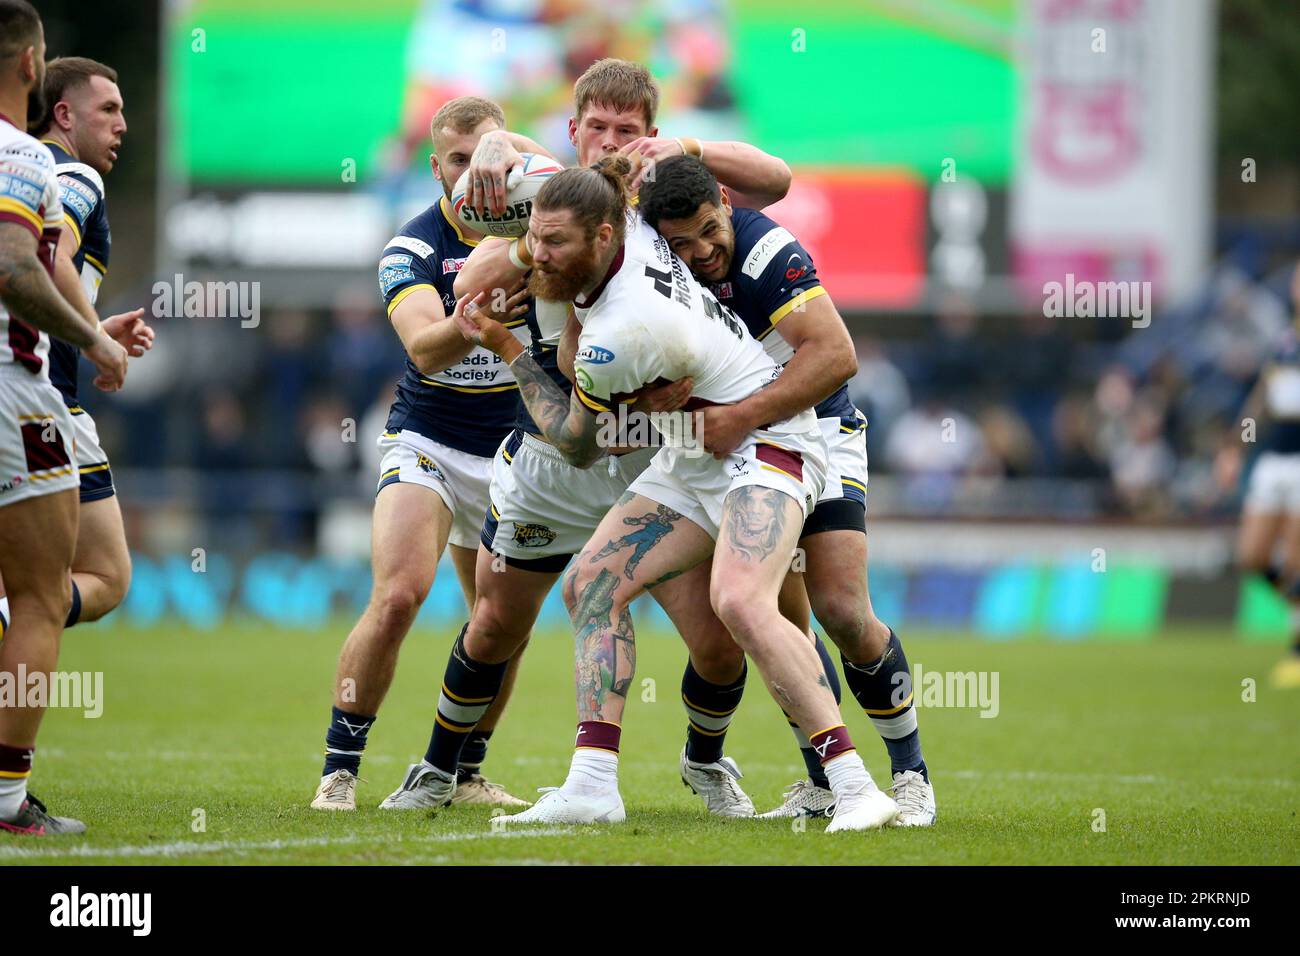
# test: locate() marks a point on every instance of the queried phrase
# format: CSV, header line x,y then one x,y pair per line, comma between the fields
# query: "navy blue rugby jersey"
x,y
1282,397
85,217
473,405
771,274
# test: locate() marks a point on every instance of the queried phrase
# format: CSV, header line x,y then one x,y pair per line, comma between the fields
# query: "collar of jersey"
x,y
446,211
595,293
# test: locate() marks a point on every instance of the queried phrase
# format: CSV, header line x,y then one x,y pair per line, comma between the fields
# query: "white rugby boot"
x,y
559,806
915,800
802,799
336,791
717,784
425,788
867,808
477,789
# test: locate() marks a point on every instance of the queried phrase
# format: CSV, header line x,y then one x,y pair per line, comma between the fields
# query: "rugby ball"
x,y
522,184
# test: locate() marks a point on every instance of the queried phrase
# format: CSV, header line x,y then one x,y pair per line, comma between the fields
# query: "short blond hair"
x,y
619,85
463,115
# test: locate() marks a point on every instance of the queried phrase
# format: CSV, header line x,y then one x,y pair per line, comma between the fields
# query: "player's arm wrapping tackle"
x,y
563,420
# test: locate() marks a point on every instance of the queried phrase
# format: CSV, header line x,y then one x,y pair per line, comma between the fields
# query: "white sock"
x,y
13,791
592,771
847,774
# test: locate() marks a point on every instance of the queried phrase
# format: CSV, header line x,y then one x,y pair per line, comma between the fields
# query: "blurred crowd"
x,y
1097,420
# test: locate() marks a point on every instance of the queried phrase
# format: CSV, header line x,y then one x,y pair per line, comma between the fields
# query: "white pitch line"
x,y
191,848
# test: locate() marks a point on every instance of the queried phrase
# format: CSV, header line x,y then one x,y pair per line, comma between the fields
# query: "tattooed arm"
x,y
563,419
29,293
498,151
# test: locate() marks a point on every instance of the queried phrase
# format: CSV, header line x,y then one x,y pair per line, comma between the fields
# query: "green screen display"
x,y
297,92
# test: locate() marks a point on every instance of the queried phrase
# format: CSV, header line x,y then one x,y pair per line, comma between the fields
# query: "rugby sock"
x,y
15,768
846,770
595,757
74,612
4,616
830,744
473,754
874,686
345,741
810,759
709,708
468,689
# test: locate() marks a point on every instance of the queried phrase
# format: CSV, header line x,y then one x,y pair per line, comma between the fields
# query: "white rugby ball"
x,y
522,184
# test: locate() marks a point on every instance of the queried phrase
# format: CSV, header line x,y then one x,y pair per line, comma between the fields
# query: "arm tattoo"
x,y
652,528
563,420
755,520
606,649
29,293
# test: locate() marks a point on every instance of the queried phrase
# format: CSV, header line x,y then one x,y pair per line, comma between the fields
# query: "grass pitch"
x,y
226,728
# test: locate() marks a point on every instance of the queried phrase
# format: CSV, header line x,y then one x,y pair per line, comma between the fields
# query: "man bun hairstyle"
x,y
679,186
593,194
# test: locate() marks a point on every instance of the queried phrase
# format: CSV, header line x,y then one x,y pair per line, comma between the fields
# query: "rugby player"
x,y
644,320
38,480
455,403
83,124
1271,512
544,509
760,271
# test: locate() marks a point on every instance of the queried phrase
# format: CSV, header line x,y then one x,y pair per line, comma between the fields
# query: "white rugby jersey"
x,y
649,322
29,196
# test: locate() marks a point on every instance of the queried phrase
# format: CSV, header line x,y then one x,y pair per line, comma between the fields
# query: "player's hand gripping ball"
x,y
523,183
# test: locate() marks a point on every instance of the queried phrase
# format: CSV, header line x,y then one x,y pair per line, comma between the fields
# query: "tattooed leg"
x,y
606,650
760,528
653,528
601,585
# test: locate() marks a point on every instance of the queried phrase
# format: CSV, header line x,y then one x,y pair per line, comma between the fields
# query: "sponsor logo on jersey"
x,y
533,535
765,250
394,270
77,203
595,355
24,190
795,269
583,379
453,265
71,184
724,290
411,244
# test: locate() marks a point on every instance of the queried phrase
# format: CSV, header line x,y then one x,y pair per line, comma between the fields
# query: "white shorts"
x,y
36,444
791,459
1274,484
460,479
846,442
92,462
544,509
